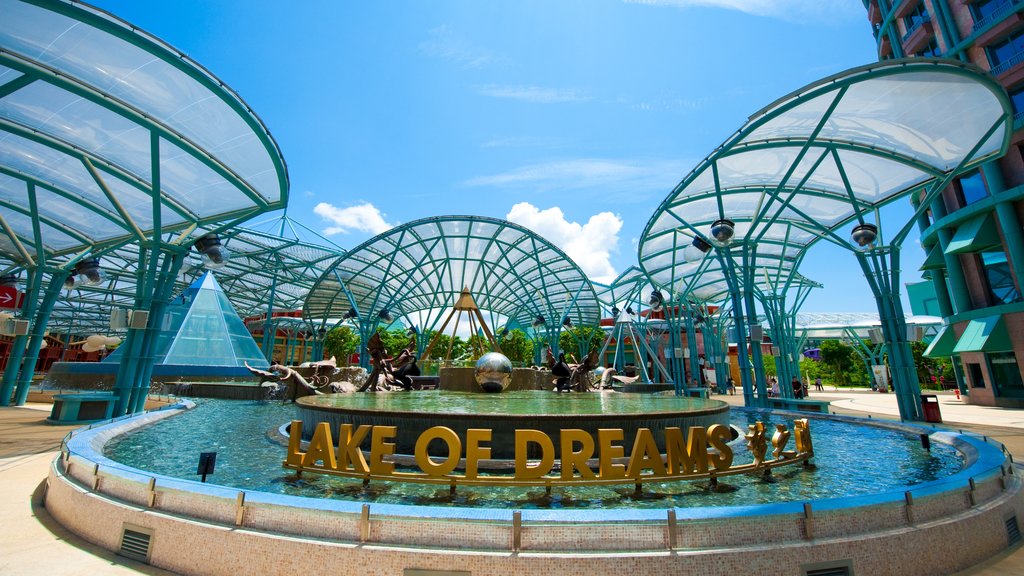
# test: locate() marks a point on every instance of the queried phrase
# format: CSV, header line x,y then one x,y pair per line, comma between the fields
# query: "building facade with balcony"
x,y
972,233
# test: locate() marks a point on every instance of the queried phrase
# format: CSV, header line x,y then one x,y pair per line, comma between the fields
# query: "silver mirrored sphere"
x,y
493,372
596,374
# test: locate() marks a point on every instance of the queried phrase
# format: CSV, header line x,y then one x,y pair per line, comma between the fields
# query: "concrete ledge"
x,y
255,532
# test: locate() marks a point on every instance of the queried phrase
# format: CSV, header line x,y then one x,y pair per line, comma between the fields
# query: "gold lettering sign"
x,y
702,453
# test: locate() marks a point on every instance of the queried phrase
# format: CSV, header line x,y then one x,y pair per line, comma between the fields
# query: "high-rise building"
x,y
972,232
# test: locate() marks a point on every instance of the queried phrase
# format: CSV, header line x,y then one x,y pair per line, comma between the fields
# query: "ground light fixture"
x,y
214,254
722,231
864,235
88,272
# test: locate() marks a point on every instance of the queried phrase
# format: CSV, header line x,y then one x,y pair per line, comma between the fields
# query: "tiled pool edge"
x,y
197,521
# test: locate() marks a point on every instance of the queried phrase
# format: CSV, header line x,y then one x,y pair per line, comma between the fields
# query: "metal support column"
x,y
28,364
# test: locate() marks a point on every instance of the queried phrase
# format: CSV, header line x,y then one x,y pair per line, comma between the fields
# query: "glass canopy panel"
x,y
139,204
73,119
57,208
51,167
194,184
7,74
875,179
130,73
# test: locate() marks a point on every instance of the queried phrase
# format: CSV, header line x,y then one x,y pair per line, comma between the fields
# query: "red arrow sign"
x,y
10,297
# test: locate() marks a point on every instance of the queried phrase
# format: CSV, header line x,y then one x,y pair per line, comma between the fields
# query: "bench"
x,y
697,393
799,405
425,382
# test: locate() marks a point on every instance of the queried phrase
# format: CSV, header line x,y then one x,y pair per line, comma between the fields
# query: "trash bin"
x,y
930,408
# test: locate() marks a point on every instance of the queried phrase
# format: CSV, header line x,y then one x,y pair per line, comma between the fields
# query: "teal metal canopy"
x,y
107,133
814,160
943,344
416,271
985,335
975,235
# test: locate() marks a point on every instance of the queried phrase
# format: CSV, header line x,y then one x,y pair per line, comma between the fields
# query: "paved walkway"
x,y
32,543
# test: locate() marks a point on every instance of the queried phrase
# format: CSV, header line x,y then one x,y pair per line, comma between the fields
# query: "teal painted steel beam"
x,y
28,365
28,308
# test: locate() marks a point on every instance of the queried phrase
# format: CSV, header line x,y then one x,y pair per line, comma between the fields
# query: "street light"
x,y
722,231
385,315
214,255
538,321
697,250
656,301
864,235
567,322
350,314
89,272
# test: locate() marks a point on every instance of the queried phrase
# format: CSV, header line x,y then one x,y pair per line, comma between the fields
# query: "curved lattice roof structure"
x,y
821,157
417,270
107,134
263,266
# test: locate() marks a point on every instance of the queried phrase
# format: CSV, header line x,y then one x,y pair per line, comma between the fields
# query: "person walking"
x,y
730,386
817,385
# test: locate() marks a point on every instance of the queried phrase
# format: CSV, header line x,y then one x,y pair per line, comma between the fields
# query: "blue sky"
x,y
574,118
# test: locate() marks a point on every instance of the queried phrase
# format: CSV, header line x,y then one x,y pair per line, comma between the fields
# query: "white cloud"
x,y
590,245
445,44
363,217
533,94
792,10
619,180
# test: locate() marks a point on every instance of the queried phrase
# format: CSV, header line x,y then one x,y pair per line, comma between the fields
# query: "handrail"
x,y
926,17
1007,64
999,13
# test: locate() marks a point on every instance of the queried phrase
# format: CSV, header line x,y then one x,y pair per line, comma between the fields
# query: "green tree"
x,y
341,342
517,346
441,345
580,338
927,368
769,366
394,340
842,365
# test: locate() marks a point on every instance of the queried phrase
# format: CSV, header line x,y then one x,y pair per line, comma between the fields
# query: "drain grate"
x,y
135,545
833,571
1012,530
833,568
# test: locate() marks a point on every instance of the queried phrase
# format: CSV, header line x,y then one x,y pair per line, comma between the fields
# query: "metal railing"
x,y
1007,64
925,18
1002,11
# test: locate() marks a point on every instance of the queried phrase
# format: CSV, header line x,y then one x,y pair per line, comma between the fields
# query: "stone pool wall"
x,y
943,527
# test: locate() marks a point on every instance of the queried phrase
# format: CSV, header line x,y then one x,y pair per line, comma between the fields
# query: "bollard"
x,y
808,521
909,499
364,524
672,529
239,508
517,530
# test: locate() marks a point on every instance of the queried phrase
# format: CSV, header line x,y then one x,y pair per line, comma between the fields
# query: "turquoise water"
x,y
851,460
520,403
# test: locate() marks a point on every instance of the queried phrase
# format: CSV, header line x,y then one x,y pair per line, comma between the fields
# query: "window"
x,y
970,188
1001,289
1006,374
915,18
1000,52
930,51
974,371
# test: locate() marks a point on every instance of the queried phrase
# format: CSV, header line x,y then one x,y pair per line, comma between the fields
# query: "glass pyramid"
x,y
201,328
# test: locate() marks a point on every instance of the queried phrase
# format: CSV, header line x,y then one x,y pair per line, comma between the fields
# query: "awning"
x,y
935,260
975,235
985,335
943,344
